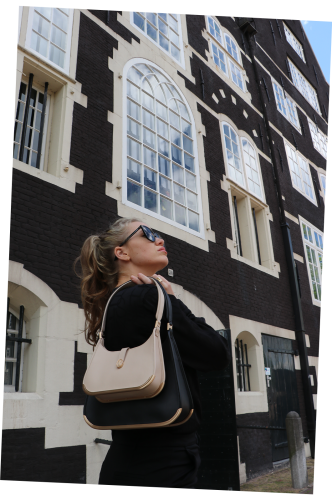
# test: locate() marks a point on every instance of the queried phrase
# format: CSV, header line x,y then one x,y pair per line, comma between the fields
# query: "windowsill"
x,y
249,393
68,180
234,255
22,396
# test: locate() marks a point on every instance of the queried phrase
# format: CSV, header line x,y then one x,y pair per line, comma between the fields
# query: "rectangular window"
x,y
293,41
318,138
31,126
313,242
323,182
304,87
286,105
163,29
49,35
300,173
15,341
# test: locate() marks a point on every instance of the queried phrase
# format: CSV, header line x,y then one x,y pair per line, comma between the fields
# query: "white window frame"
x,y
125,201
7,387
322,178
39,90
230,60
178,16
286,102
304,87
294,42
244,169
20,12
64,69
319,140
314,248
299,157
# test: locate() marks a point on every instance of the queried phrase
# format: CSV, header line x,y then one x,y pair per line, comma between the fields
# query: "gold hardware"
x,y
169,327
119,363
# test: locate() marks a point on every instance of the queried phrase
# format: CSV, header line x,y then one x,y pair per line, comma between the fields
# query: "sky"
x,y
319,35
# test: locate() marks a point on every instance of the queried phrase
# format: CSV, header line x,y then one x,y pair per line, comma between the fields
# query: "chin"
x,y
163,262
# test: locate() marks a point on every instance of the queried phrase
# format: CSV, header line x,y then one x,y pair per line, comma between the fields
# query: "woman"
x,y
129,250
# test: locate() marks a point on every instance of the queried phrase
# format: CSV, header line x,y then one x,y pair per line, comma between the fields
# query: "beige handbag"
x,y
132,373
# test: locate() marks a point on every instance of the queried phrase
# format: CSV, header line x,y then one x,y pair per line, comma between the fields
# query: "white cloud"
x,y
304,22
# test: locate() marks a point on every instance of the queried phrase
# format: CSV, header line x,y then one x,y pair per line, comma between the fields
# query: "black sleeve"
x,y
200,346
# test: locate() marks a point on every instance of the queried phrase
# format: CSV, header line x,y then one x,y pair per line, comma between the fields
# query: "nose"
x,y
160,242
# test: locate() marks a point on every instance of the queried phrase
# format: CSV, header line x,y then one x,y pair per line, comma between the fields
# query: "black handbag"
x,y
171,407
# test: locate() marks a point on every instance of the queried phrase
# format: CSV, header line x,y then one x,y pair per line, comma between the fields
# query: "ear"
x,y
121,254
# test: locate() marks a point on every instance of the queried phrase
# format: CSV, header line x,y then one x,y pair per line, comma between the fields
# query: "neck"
x,y
124,275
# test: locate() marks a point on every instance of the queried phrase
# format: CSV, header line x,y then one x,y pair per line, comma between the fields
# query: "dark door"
x,y
219,469
281,389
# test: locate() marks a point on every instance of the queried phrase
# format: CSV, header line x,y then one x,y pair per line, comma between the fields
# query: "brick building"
x,y
213,131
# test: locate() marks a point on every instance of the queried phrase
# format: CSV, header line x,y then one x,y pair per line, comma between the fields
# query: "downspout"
x,y
294,285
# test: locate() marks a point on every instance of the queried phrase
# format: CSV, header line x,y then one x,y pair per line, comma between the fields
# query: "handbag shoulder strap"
x,y
127,284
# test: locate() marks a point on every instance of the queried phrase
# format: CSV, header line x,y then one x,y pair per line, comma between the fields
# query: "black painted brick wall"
x,y
24,458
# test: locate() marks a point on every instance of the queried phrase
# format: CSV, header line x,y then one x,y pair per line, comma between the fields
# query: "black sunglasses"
x,y
147,232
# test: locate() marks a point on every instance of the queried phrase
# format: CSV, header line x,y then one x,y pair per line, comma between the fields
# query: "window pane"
x,y
163,27
23,91
189,163
175,52
150,179
149,158
34,159
161,111
147,101
176,137
133,109
193,221
150,200
26,156
17,132
148,119
31,115
188,145
38,119
174,119
179,194
60,19
44,11
134,193
151,32
163,147
152,18
164,166
186,128
133,129
28,137
134,170
134,75
58,37
190,181
15,152
180,214
139,21
178,173
162,128
133,91
177,155
38,44
149,138
41,25
35,140
192,200
174,37
165,186
166,208
134,149
163,42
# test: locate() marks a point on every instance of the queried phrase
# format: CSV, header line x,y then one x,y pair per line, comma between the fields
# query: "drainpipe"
x,y
248,29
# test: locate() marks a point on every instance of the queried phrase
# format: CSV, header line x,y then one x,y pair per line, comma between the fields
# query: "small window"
x,y
49,34
162,29
304,87
225,53
36,118
313,242
300,173
247,363
14,351
293,41
286,105
319,139
242,366
323,182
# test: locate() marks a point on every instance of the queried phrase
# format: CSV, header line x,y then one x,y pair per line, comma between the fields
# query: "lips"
x,y
162,249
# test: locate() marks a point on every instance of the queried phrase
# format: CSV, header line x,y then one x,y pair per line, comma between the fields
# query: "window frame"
x,y
39,89
317,136
168,52
294,42
11,388
66,67
309,92
285,98
242,137
230,59
314,247
322,178
141,208
299,155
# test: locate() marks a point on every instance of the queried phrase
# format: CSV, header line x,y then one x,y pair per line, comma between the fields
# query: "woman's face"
x,y
144,253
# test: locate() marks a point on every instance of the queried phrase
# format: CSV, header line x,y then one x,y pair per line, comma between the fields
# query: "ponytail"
x,y
100,274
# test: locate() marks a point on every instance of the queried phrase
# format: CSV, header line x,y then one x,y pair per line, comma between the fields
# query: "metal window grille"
x,y
256,236
242,366
14,340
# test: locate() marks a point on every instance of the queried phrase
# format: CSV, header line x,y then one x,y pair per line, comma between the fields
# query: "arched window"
x,y
161,159
14,352
229,62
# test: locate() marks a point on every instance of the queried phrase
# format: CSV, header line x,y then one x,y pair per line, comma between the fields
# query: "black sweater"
x,y
129,323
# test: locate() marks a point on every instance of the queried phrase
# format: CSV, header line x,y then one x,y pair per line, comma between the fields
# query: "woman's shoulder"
x,y
134,296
